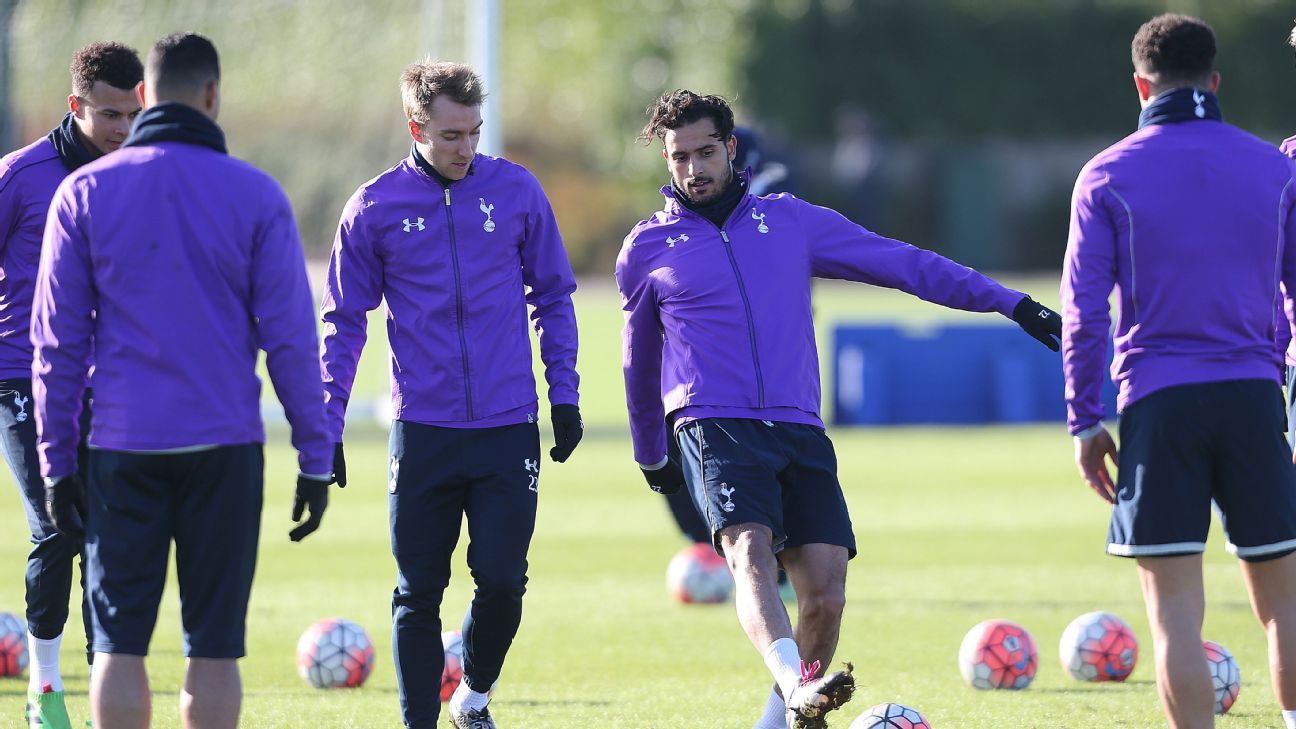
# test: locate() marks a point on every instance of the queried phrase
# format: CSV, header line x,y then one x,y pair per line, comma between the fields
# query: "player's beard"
x,y
718,187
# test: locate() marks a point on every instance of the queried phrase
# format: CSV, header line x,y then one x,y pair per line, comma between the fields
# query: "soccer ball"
x,y
13,646
1098,646
452,674
697,574
890,716
998,654
1225,675
335,653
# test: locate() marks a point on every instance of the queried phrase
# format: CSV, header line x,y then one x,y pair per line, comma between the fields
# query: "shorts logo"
x,y
418,224
761,227
489,225
21,402
726,492
393,472
533,473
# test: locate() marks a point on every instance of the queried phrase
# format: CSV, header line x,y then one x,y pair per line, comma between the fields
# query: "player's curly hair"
x,y
682,107
113,63
1174,50
422,82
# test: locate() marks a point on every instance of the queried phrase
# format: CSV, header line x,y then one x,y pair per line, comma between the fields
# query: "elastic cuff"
x,y
317,476
657,466
1092,431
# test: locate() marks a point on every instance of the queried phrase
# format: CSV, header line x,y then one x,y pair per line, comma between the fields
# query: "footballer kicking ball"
x,y
13,646
698,575
335,653
1225,675
998,654
452,674
1098,646
890,716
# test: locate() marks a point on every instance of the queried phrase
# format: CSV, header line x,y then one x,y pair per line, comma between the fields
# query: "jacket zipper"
x,y
459,306
742,293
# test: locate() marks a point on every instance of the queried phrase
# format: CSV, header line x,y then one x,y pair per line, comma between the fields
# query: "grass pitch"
x,y
955,525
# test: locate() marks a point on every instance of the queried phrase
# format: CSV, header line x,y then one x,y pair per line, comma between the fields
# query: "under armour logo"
x,y
533,473
21,402
1199,99
726,491
416,224
489,225
393,471
670,242
761,227
1044,314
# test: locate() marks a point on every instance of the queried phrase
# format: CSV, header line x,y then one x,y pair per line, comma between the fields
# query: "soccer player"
x,y
1190,220
172,263
719,337
458,244
101,107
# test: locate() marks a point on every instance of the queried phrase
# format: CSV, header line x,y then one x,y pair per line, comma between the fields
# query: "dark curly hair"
x,y
682,107
108,61
1174,50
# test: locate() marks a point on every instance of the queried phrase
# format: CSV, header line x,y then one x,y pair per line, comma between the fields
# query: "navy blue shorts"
x,y
1183,446
209,503
781,475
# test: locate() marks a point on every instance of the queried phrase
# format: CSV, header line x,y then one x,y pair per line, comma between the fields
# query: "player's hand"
x,y
1039,321
339,465
568,430
668,479
65,505
1091,456
312,495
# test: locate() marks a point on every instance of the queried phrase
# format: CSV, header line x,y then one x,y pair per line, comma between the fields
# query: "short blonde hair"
x,y
422,82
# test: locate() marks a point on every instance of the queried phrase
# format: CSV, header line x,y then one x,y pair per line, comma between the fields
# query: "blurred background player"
x,y
101,107
731,361
192,264
1288,148
458,244
1192,221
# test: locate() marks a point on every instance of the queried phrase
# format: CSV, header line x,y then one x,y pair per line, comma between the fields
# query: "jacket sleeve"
x,y
641,358
283,311
353,289
62,330
841,249
550,283
1288,271
1088,277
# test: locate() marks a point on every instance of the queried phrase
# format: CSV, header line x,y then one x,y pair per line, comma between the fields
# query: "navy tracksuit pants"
x,y
437,477
49,564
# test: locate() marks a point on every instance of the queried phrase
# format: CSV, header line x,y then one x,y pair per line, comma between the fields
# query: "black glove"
x,y
311,493
339,465
668,479
65,505
1039,321
568,430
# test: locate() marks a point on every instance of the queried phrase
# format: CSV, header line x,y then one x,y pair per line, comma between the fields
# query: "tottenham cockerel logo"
x,y
489,225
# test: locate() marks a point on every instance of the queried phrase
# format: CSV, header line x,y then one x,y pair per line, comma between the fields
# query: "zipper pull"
x,y
447,191
722,235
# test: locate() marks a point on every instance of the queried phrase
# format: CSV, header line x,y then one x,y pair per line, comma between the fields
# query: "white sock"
x,y
775,716
465,699
44,665
783,659
1289,718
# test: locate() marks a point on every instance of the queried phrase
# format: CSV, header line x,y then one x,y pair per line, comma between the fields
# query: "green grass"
x,y
954,526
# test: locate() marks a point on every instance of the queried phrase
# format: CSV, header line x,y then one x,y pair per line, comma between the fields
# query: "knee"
x,y
822,604
508,587
746,546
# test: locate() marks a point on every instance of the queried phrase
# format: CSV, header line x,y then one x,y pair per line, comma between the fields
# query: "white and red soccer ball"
x,y
1098,646
890,716
998,654
13,646
335,653
1225,675
452,674
697,574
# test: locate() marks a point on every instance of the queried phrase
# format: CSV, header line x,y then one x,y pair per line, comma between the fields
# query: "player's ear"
x,y
415,130
732,146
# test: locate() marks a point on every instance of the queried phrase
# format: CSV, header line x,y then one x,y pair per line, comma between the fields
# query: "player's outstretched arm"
x,y
641,358
550,282
62,331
